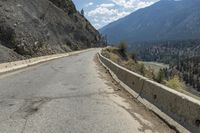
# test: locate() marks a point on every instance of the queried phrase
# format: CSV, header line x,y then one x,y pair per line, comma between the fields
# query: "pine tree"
x,y
142,69
160,76
82,12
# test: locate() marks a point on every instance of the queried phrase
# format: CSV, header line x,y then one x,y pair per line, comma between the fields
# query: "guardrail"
x,y
10,66
180,111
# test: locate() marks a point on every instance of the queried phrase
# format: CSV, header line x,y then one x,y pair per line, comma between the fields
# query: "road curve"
x,y
71,95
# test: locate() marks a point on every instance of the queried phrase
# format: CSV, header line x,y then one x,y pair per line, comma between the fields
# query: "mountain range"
x,y
164,20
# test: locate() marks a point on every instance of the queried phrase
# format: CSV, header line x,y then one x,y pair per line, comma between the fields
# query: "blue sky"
x,y
102,12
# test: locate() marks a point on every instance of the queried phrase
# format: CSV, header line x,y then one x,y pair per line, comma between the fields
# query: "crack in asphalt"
x,y
60,97
33,105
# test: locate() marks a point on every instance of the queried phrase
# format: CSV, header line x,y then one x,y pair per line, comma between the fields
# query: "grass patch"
x,y
175,83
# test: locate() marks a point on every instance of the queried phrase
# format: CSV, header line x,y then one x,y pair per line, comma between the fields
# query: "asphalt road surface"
x,y
71,95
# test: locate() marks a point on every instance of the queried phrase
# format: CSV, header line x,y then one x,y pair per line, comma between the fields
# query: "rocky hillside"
x,y
164,20
30,28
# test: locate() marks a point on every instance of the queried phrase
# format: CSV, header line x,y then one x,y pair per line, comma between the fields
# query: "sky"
x,y
103,12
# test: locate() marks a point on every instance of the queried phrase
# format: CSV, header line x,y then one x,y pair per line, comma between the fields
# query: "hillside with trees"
x,y
183,58
168,52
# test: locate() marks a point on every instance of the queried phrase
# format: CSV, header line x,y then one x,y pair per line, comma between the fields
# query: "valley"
x,y
157,34
156,66
182,57
100,66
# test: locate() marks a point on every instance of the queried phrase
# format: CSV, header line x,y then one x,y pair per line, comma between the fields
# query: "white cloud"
x,y
89,4
133,4
107,5
104,14
112,10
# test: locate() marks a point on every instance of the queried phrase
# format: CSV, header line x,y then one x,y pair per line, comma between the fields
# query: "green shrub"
x,y
175,83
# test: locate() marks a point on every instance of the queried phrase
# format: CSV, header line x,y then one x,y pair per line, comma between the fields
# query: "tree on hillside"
x,y
82,12
133,57
160,77
123,48
142,69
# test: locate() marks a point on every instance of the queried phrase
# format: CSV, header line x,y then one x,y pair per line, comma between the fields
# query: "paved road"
x,y
70,95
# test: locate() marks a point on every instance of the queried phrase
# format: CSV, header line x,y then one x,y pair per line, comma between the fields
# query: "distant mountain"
x,y
164,20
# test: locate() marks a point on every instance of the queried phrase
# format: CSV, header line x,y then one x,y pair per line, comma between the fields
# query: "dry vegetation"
x,y
127,61
175,83
120,56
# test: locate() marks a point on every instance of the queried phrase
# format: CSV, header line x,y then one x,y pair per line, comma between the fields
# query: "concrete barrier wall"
x,y
179,110
10,66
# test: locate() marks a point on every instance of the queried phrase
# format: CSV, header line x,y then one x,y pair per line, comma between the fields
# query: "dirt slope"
x,y
31,28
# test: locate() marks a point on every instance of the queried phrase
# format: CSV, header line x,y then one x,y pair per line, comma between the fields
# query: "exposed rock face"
x,y
39,27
